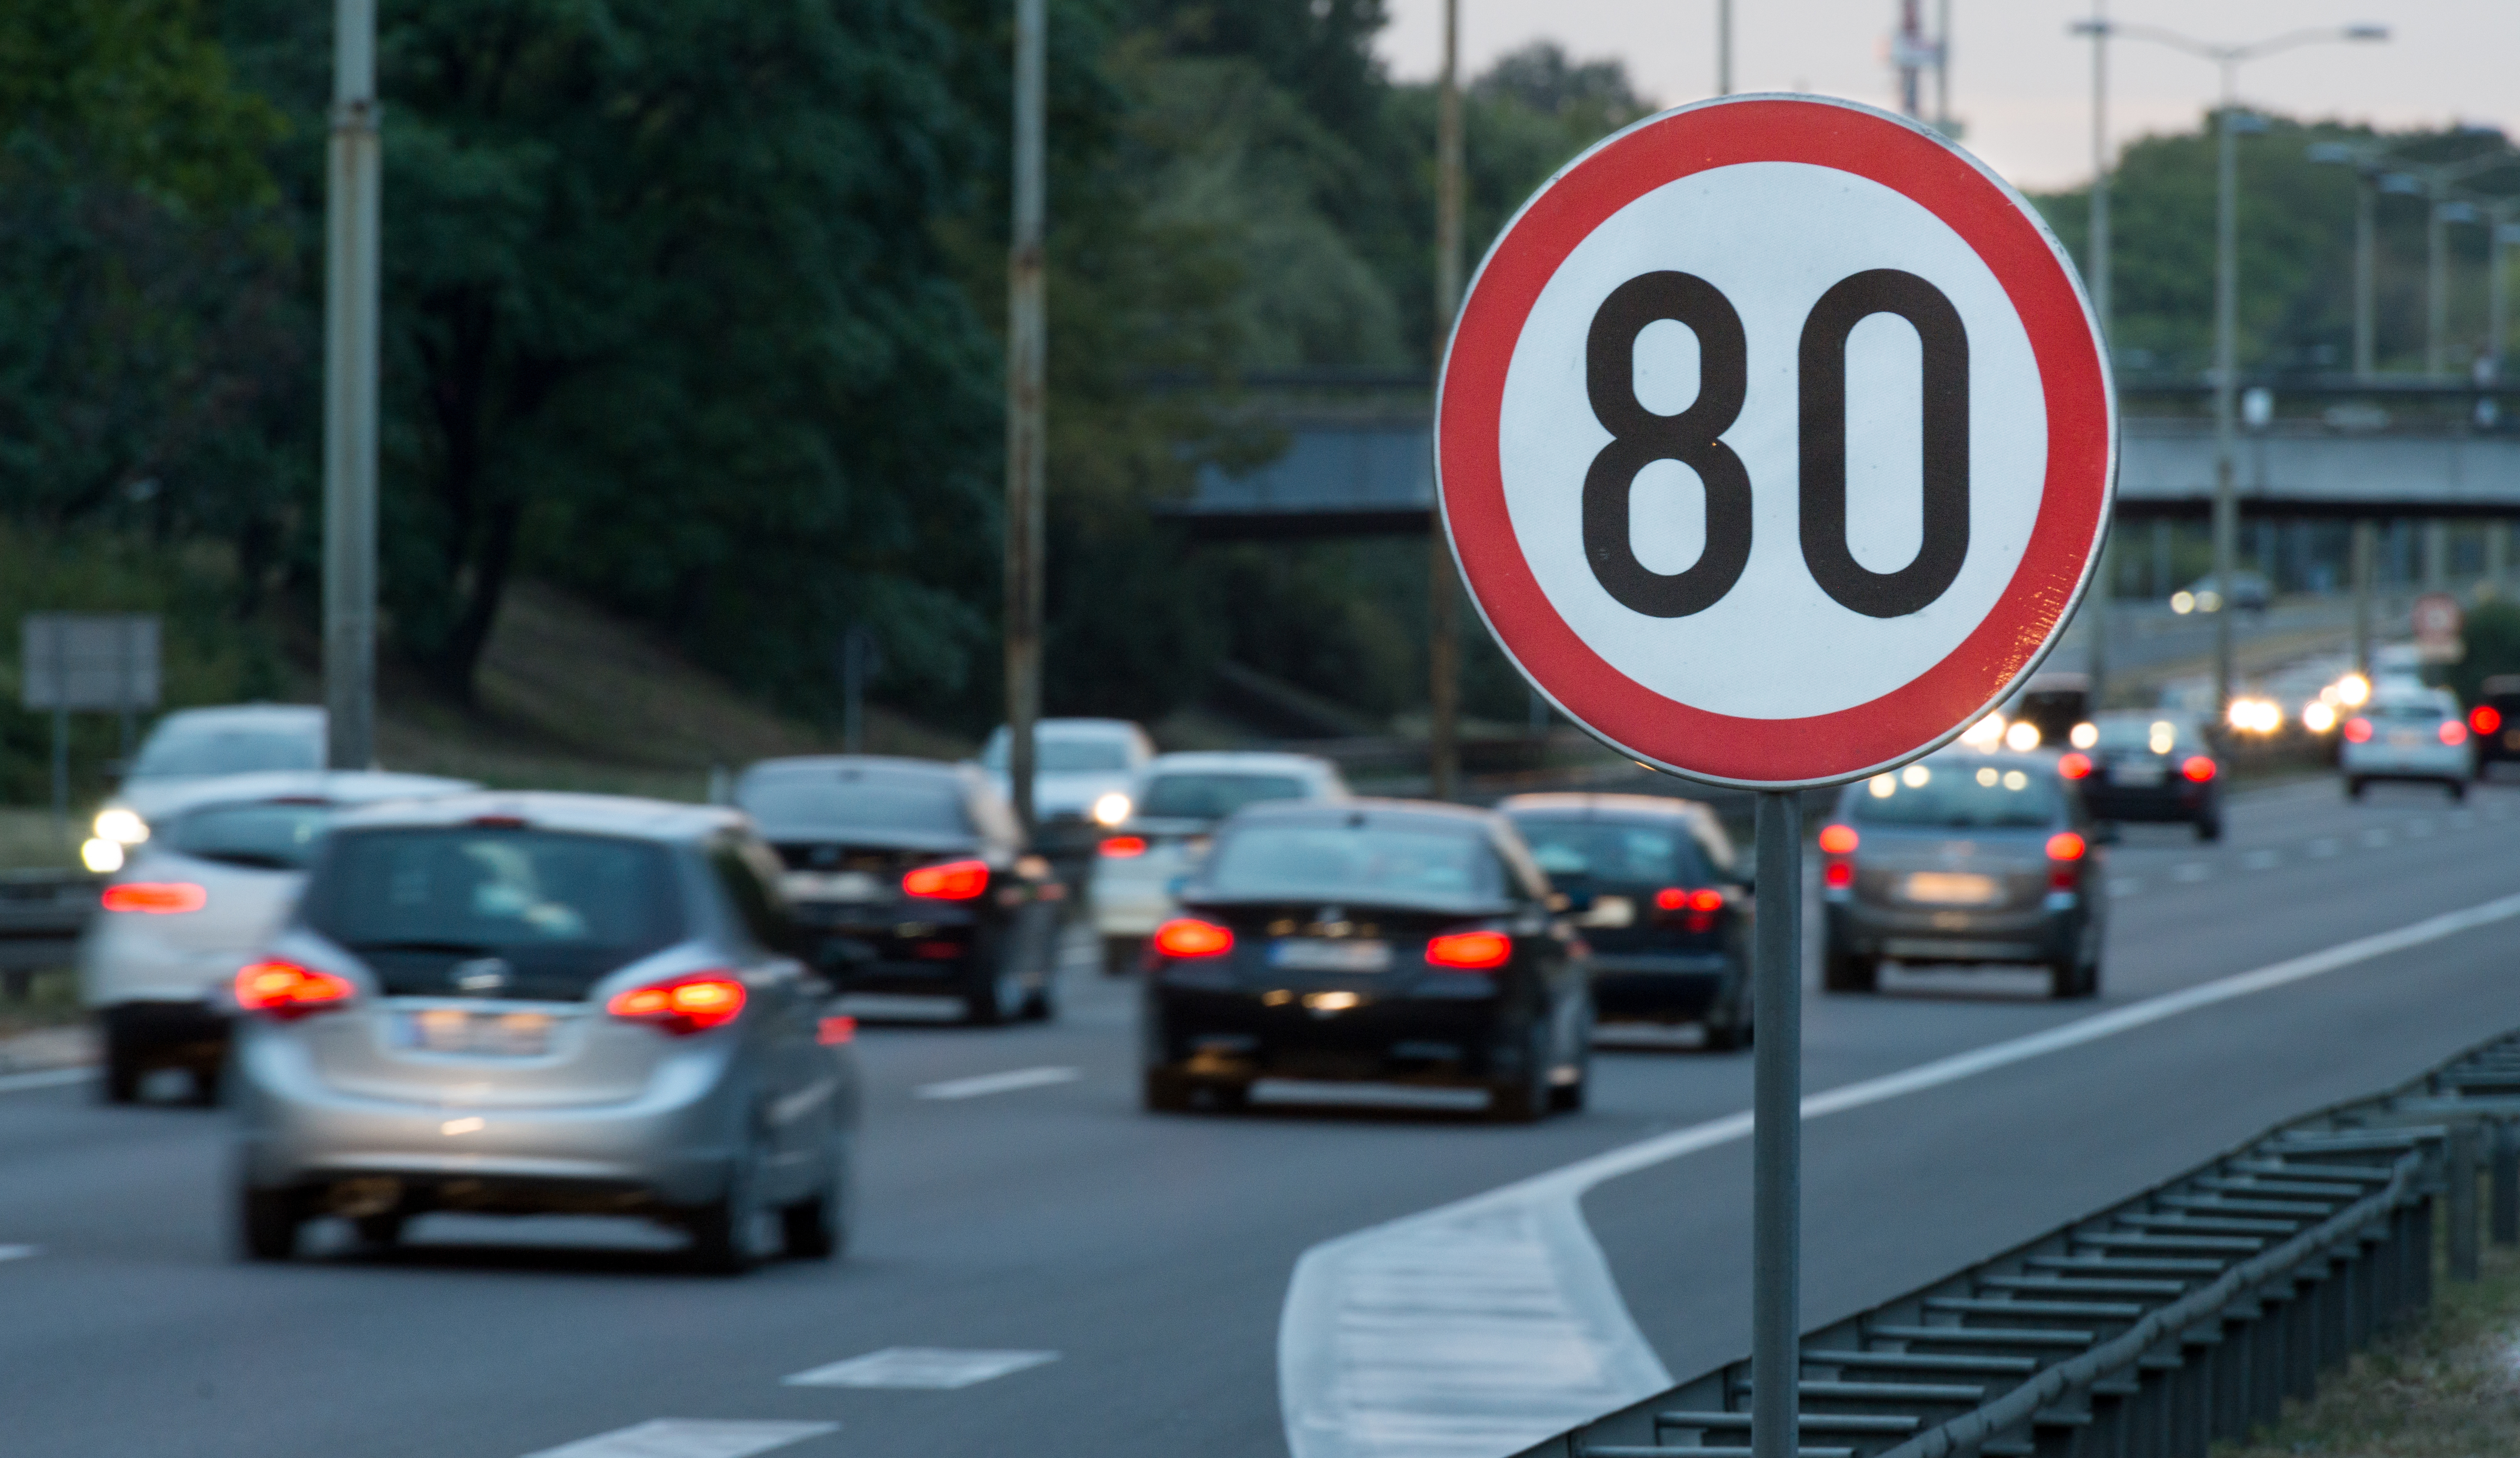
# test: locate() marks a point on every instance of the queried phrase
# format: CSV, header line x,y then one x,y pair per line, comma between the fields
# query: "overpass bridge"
x,y
1356,459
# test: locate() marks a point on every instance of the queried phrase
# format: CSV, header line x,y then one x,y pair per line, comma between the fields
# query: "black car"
x,y
1653,886
1962,858
2495,722
1379,939
913,877
2148,766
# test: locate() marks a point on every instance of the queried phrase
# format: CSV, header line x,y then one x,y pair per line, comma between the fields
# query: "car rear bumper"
x,y
1673,989
1943,935
1233,1036
2394,762
187,1033
2182,799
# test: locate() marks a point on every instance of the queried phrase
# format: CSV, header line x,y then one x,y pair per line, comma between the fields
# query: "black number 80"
x,y
1640,437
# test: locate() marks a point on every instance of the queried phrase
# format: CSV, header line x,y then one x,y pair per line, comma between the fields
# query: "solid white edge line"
x,y
19,1253
1005,1082
50,1077
690,1438
1308,1383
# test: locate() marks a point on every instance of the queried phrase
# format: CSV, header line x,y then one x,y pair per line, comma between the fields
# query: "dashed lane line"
x,y
18,1253
925,1368
50,1077
2192,871
1478,1328
1005,1082
690,1438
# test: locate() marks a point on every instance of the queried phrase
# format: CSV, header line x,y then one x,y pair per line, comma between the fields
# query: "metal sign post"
x,y
1775,444
88,661
351,251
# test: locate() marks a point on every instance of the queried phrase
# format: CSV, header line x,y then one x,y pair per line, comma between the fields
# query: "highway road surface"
x,y
1041,1269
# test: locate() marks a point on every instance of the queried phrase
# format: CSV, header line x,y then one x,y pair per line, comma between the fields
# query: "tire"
x,y
1120,955
1846,972
2064,981
2457,788
206,1087
1570,1099
996,1001
383,1230
1725,1038
726,1231
1524,1099
1166,1092
811,1229
2353,787
1041,1003
124,1071
267,1222
2210,828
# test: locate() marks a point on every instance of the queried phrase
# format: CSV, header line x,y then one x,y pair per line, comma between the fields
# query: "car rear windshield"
x,y
227,751
1959,795
2160,735
2406,711
274,837
823,800
1354,861
1618,853
1213,797
430,908
1065,756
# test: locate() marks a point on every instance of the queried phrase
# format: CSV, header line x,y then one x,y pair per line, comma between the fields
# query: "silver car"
x,y
1175,811
192,747
516,1003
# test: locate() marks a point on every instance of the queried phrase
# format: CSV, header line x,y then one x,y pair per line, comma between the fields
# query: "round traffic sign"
x,y
1775,441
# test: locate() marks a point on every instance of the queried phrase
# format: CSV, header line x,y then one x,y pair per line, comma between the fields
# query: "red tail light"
x,y
2358,731
2453,732
2065,850
1838,875
2198,768
1681,899
286,989
834,1030
1189,937
1471,951
953,881
1122,847
2074,766
1838,840
691,1003
2065,845
158,897
2485,719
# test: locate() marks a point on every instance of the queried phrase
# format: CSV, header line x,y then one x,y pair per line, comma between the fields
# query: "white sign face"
x,y
1774,441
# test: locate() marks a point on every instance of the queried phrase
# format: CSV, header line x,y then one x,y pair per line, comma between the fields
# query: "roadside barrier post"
x,y
2506,1183
2464,1141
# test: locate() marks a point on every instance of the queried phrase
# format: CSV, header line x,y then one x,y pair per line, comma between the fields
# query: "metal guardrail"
x,y
2157,1326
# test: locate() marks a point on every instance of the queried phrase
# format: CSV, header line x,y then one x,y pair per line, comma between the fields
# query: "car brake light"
x,y
2198,768
2074,766
691,1003
2453,732
2358,731
2485,719
1189,937
2065,845
1471,951
1122,847
156,898
286,989
2065,850
1838,840
1838,875
953,881
1681,899
834,1030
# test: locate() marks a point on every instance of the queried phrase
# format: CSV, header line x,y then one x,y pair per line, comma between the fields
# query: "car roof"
x,y
888,763
274,716
2026,758
552,809
340,787
1606,805
1246,760
1429,811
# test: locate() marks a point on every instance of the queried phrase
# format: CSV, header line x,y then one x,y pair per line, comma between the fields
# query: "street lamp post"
x,y
352,247
2226,271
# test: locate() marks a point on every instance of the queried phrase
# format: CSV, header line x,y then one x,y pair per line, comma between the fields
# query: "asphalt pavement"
x,y
1073,1276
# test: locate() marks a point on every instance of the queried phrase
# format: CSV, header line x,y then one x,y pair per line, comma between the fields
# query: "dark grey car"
x,y
1964,857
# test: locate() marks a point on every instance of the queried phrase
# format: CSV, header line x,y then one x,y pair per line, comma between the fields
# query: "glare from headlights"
x,y
1111,809
2085,735
2353,690
1986,733
2254,716
100,856
122,826
2182,602
2022,737
2317,716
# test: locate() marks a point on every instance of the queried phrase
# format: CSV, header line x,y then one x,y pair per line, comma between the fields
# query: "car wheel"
x,y
1570,1099
1120,955
1724,1037
124,1071
1846,972
267,1222
1166,1092
726,1232
2353,787
817,1227
2210,828
2458,789
383,1230
1524,1098
997,999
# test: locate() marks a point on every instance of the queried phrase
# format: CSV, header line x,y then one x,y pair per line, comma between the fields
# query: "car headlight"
x,y
122,826
100,856
1111,809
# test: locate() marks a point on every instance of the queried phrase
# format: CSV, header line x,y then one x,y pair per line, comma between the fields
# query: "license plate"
x,y
495,1035
2136,773
2405,737
833,886
1952,888
1318,955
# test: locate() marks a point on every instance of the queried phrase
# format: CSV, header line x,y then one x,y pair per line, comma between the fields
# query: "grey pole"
x,y
60,756
2226,369
2365,274
2435,284
1443,600
351,331
2366,547
1943,66
2104,585
1723,47
2098,248
2502,232
1027,352
1776,1240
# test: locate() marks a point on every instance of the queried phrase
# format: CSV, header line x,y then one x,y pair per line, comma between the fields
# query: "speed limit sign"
x,y
1774,440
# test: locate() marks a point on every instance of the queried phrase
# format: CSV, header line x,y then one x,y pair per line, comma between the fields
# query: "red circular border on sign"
x,y
2015,633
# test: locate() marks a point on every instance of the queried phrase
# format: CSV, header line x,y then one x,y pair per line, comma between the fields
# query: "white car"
x,y
196,901
1177,805
2408,734
1083,769
191,747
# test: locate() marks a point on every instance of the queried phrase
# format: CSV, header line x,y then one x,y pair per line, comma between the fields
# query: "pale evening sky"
x,y
2020,83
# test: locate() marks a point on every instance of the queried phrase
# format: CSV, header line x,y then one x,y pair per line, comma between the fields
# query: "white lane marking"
x,y
50,1077
2261,861
2121,886
18,1253
690,1438
935,1368
1478,1328
2418,829
2376,839
2193,871
1005,1082
2325,846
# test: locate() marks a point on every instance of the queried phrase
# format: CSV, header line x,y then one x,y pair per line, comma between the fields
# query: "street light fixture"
x,y
2226,269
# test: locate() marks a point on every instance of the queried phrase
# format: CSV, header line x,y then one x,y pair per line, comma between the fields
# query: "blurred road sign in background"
x,y
89,660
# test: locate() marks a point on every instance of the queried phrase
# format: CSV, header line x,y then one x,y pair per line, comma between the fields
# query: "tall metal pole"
x,y
1443,600
1775,1156
1943,66
351,247
1027,353
1723,47
2365,549
2226,369
2098,250
1909,49
2366,265
2436,286
2502,231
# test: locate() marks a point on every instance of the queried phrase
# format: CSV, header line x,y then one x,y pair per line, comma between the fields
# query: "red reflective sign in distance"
x,y
1774,441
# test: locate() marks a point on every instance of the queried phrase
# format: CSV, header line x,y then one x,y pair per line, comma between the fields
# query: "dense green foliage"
x,y
2489,641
